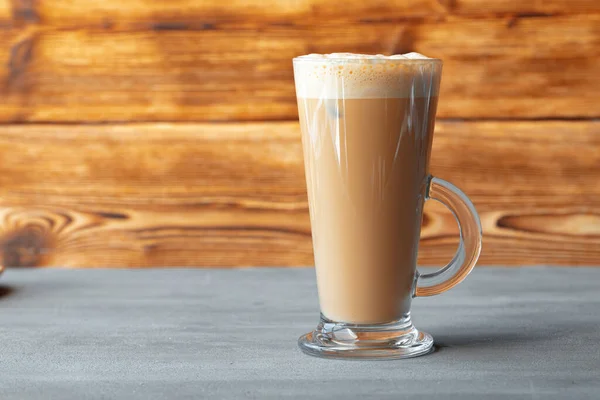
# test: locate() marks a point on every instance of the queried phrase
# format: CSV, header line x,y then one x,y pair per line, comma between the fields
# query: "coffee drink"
x,y
367,127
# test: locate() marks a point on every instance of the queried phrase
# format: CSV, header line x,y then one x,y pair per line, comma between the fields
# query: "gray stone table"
x,y
524,333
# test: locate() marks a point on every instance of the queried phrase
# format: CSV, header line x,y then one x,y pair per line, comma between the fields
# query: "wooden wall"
x,y
151,133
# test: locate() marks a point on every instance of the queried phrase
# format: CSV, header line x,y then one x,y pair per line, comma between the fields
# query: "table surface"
x,y
524,333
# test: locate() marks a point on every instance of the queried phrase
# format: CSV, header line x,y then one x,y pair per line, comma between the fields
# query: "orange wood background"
x,y
163,133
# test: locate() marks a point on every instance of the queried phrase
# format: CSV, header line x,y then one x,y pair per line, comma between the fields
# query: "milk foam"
x,y
363,76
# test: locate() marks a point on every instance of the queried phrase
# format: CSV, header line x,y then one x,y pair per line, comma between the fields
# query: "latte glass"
x,y
367,128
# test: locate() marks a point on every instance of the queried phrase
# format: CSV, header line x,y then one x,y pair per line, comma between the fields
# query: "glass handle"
x,y
470,240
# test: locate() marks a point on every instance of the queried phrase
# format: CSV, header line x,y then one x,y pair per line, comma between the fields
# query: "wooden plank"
x,y
234,194
546,7
194,14
535,185
524,68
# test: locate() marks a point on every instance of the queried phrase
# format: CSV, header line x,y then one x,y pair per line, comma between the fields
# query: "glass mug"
x,y
367,128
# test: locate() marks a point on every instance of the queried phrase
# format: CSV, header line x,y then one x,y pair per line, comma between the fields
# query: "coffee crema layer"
x,y
362,76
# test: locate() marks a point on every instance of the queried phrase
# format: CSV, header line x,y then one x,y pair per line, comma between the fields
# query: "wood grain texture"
x,y
495,68
178,14
158,180
234,194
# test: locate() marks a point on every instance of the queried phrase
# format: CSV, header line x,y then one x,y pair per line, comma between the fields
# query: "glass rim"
x,y
334,60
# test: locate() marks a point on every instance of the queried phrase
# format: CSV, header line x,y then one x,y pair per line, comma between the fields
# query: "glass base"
x,y
394,340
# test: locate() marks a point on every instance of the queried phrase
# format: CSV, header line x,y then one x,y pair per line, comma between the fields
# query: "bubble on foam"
x,y
349,75
411,56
